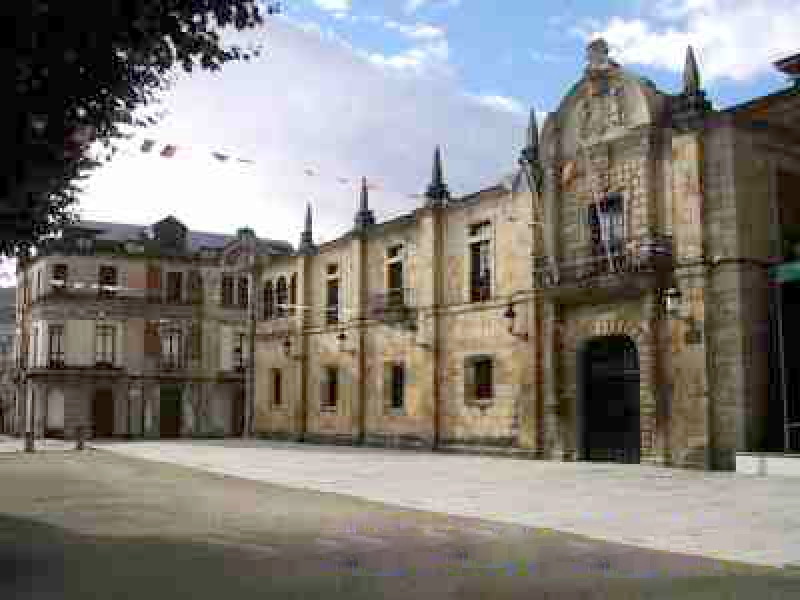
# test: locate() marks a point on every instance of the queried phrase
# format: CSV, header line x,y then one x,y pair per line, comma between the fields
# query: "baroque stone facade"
x,y
625,309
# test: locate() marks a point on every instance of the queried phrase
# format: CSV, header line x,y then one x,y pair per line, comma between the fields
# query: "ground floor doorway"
x,y
237,412
608,415
103,413
170,411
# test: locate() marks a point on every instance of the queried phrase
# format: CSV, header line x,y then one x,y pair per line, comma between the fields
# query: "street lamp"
x,y
511,315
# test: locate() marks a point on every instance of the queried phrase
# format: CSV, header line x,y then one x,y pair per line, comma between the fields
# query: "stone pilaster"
x,y
551,439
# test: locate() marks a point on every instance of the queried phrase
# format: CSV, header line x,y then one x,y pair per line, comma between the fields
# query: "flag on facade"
x,y
147,145
343,180
309,172
244,160
169,151
220,157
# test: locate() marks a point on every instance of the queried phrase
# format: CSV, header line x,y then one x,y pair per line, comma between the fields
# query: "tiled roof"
x,y
197,239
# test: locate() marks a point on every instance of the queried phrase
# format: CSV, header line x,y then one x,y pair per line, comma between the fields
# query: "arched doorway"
x,y
103,413
55,414
608,400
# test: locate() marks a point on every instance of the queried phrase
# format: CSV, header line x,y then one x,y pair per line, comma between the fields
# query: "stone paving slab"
x,y
728,516
11,444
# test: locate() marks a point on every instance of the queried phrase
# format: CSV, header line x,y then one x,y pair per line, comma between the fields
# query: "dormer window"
x,y
59,281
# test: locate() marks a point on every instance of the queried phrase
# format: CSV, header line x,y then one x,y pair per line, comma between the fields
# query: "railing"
x,y
171,362
394,305
644,255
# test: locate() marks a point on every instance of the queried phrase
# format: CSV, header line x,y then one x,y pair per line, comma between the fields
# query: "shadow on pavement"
x,y
42,561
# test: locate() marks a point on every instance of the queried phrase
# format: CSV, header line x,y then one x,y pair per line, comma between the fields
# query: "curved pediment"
x,y
605,104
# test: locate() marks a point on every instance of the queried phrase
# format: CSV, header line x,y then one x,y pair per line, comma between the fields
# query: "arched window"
x,y
293,293
269,301
282,299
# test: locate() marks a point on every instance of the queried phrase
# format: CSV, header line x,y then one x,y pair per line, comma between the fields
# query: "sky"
x,y
367,88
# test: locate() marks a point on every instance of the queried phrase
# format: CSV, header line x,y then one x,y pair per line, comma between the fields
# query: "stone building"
x,y
134,331
7,395
610,301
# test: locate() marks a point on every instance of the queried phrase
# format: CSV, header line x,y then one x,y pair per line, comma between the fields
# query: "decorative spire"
x,y
364,216
437,193
690,106
691,74
529,157
306,238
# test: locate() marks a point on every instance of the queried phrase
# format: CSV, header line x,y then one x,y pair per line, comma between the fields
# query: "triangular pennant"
x,y
147,145
244,160
219,156
309,172
169,151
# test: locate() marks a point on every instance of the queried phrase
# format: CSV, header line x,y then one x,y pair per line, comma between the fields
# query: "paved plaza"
x,y
722,515
97,524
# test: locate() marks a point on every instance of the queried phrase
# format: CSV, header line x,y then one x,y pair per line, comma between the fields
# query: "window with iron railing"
x,y
171,348
281,298
243,292
332,302
239,359
104,345
269,301
606,222
226,292
107,280
174,287
56,346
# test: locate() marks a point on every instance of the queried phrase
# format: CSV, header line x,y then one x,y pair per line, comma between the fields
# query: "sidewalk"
x,y
9,443
727,516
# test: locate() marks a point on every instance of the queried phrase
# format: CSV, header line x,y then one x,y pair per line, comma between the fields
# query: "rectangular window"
x,y
243,292
480,271
276,387
330,387
394,277
238,352
104,345
56,346
226,296
152,338
332,302
195,287
196,341
153,283
397,386
59,281
479,378
483,379
172,348
107,279
174,287
606,220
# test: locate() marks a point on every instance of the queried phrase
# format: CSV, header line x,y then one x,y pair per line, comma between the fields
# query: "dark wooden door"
x,y
170,418
103,413
609,419
237,412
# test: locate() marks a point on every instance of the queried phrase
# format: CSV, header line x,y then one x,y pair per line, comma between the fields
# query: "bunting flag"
x,y
220,157
309,172
169,151
147,145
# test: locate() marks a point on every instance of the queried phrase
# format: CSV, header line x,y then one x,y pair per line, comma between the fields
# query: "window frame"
x,y
174,292
333,309
226,284
329,401
277,388
477,393
242,292
480,235
55,356
239,365
105,331
174,358
107,282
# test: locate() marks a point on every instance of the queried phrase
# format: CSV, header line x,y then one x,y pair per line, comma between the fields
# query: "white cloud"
x,y
413,6
312,101
418,31
334,6
738,39
501,103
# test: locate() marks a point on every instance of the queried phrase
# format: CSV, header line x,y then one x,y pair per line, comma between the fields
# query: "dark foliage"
x,y
82,68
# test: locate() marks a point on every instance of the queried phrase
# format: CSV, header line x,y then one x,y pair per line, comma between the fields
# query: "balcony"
x,y
394,307
171,363
642,263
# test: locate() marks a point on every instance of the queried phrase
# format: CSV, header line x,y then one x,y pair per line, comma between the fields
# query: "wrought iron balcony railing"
x,y
393,306
644,255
